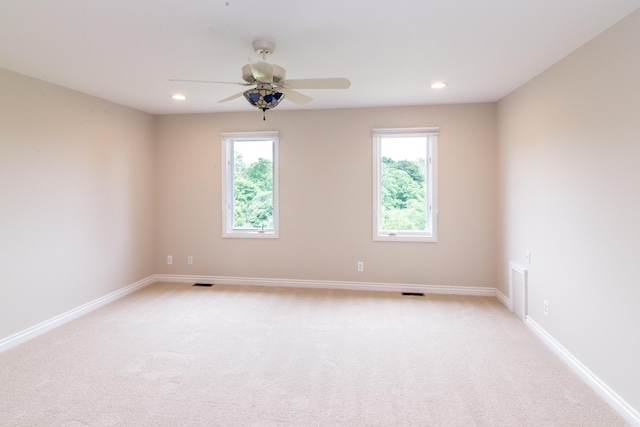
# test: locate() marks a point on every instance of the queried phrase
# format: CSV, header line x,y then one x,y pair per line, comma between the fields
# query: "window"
x,y
405,184
250,184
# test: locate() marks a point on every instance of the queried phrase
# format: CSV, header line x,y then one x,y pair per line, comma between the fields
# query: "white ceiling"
x,y
126,50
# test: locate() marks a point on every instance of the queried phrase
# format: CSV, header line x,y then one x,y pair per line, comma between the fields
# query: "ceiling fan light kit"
x,y
271,83
263,97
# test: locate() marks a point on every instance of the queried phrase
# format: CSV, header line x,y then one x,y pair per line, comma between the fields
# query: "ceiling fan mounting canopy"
x,y
264,47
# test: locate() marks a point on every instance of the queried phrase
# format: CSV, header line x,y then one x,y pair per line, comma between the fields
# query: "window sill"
x,y
250,235
405,238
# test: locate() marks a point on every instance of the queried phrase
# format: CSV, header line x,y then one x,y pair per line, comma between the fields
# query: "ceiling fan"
x,y
271,85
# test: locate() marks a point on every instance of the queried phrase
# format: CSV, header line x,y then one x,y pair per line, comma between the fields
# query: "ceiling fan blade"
x,y
209,81
237,95
295,96
329,83
262,71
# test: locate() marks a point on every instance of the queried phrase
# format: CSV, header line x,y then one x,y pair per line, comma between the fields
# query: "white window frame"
x,y
228,139
431,182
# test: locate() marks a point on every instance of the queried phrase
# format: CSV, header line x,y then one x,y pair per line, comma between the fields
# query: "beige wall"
x,y
326,198
76,190
569,151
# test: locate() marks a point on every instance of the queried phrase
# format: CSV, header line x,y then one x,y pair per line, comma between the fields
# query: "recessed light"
x,y
438,85
179,97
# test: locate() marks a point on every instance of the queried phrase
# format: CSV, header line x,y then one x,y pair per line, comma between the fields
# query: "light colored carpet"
x,y
177,355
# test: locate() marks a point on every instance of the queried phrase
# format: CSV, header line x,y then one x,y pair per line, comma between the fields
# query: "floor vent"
x,y
413,294
208,285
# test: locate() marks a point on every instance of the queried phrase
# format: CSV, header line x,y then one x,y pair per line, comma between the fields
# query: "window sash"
x,y
228,186
430,232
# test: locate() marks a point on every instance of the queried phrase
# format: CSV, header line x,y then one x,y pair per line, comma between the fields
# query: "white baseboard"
x,y
54,322
631,415
330,284
503,299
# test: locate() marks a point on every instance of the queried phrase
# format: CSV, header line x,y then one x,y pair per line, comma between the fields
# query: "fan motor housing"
x,y
278,74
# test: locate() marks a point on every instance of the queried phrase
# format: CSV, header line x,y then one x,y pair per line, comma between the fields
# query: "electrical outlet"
x,y
169,259
190,260
546,307
360,265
